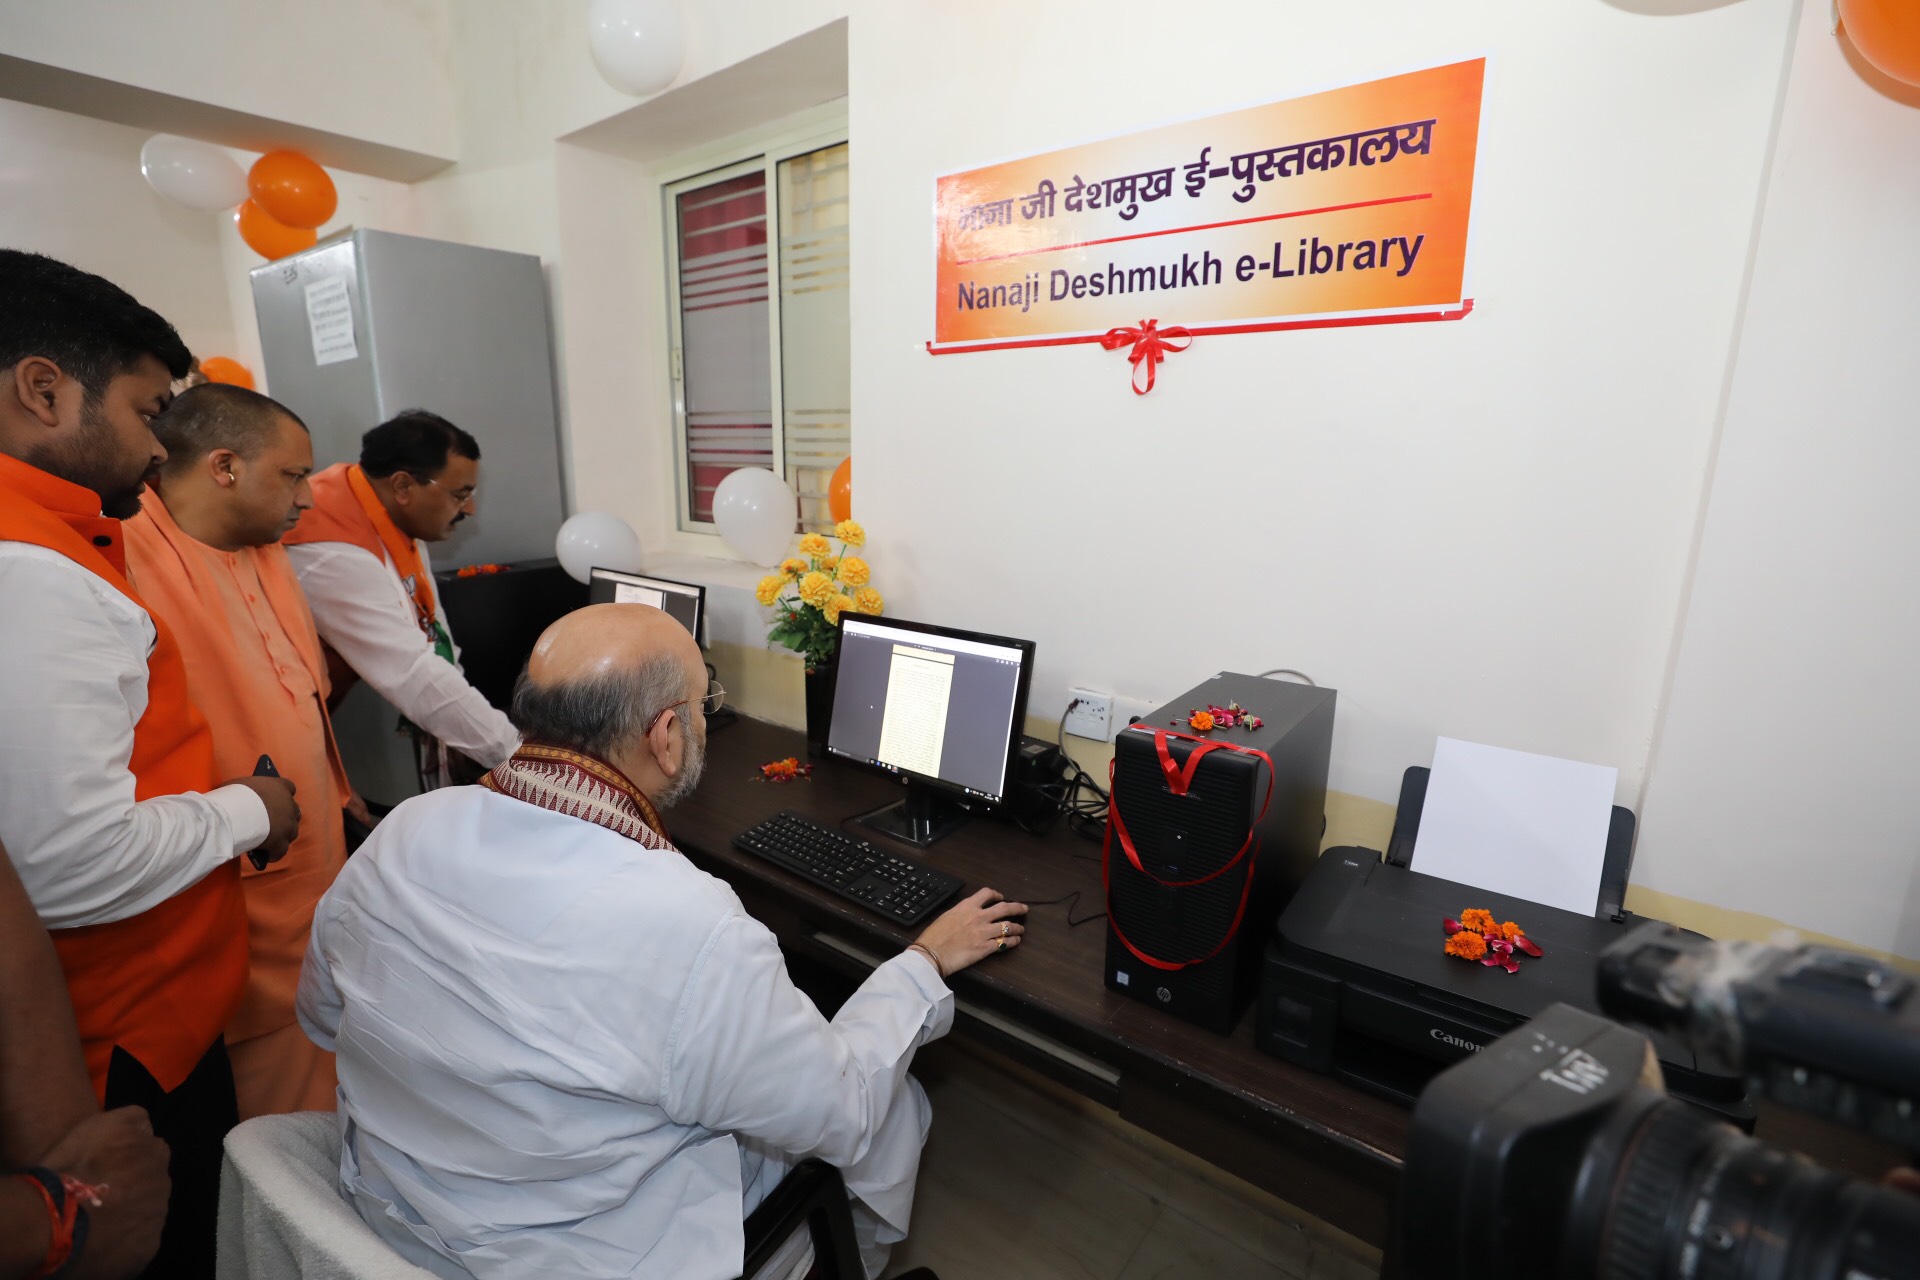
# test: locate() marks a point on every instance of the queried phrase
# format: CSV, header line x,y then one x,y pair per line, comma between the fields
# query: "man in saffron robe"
x,y
205,554
110,806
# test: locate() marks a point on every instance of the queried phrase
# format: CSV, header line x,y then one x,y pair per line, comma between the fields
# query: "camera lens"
x,y
1695,1198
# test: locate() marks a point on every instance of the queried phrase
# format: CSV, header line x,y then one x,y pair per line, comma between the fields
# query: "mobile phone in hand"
x,y
263,769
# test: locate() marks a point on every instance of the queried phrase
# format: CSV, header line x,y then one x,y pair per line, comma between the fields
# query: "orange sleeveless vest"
x,y
161,984
336,515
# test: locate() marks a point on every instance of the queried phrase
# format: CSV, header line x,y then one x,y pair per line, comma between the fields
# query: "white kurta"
x,y
365,612
73,684
562,1053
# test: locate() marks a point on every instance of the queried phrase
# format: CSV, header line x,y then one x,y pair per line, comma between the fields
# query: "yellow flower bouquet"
x,y
812,589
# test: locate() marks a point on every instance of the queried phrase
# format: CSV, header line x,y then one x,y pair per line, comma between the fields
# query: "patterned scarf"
x,y
581,787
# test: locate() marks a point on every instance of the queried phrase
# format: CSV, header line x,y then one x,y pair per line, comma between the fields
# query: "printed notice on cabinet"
x,y
330,317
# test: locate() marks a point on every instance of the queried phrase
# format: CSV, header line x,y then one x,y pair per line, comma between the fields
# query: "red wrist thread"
x,y
63,1212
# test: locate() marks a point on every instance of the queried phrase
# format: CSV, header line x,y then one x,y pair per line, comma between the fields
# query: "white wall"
x,y
1531,527
1477,529
378,70
1783,783
71,187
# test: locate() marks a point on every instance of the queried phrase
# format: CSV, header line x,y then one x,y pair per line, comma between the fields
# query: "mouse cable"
x,y
1072,900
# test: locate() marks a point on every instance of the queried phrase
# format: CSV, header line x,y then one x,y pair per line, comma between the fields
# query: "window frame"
x,y
764,149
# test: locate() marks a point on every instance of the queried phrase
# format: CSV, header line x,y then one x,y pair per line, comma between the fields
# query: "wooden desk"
x,y
1319,1144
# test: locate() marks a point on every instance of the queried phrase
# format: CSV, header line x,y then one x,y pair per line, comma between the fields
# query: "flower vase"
x,y
819,706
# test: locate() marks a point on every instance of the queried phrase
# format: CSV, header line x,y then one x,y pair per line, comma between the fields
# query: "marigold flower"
x,y
830,565
770,588
793,567
1201,720
836,606
816,546
855,572
816,589
1476,919
1467,944
1508,930
850,532
867,600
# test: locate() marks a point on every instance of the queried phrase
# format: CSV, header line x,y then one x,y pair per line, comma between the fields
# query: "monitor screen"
x,y
930,702
682,601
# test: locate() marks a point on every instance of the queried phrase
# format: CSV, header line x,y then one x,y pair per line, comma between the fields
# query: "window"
x,y
759,292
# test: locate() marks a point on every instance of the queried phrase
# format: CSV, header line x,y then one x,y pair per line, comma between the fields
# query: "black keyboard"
x,y
902,891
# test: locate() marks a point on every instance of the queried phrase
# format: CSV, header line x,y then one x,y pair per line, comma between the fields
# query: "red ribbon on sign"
x,y
1151,345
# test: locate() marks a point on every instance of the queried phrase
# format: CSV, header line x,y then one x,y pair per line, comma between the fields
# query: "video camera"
x,y
1555,1152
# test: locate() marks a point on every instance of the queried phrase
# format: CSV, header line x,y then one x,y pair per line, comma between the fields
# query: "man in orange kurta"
x,y
205,553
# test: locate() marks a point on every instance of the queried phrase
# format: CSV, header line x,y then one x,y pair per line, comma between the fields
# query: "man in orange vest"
x,y
110,806
205,552
361,555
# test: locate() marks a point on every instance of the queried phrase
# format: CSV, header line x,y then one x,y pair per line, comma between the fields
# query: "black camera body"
x,y
1556,1151
1829,1032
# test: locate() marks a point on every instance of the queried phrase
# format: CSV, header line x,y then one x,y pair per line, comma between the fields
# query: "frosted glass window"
x,y
760,361
724,334
815,368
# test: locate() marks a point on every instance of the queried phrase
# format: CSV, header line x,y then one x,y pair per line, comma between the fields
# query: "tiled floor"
x,y
1024,1180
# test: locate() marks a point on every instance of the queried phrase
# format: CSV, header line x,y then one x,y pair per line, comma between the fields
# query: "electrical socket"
x,y
1126,710
1091,717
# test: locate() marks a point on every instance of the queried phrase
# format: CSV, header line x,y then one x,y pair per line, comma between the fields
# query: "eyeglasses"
x,y
462,495
710,702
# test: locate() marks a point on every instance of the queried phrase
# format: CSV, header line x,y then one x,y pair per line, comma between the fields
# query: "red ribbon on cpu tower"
x,y
1179,779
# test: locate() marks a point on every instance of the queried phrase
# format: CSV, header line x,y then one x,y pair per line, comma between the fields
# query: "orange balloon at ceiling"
x,y
293,190
1887,34
268,238
840,491
231,372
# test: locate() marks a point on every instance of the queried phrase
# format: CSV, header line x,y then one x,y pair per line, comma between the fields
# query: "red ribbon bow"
x,y
1151,345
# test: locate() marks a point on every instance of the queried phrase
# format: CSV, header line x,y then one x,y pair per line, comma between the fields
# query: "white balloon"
x,y
196,174
637,44
597,539
756,513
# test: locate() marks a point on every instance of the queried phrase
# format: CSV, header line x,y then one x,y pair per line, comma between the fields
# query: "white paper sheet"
x,y
330,319
1533,827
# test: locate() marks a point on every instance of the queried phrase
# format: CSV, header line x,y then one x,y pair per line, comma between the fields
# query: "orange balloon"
x,y
1887,34
840,491
293,189
231,372
268,238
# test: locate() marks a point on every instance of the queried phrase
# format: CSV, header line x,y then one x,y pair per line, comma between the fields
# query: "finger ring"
x,y
1004,929
1000,945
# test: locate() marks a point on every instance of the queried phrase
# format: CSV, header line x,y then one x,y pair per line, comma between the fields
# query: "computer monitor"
x,y
684,602
941,709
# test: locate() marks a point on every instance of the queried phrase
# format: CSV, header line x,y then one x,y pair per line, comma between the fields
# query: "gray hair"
x,y
598,713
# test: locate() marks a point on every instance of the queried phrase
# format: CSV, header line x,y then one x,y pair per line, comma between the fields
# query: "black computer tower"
x,y
1186,934
496,618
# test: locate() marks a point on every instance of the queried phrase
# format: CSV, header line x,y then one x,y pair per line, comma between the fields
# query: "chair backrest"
x,y
812,1199
282,1216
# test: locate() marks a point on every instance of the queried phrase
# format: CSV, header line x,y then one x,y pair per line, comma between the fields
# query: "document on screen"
x,y
914,724
628,593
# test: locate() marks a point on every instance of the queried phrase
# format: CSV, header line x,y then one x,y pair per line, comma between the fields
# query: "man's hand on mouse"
x,y
975,928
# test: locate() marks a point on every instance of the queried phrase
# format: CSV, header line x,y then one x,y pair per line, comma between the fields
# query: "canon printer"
x,y
1356,981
